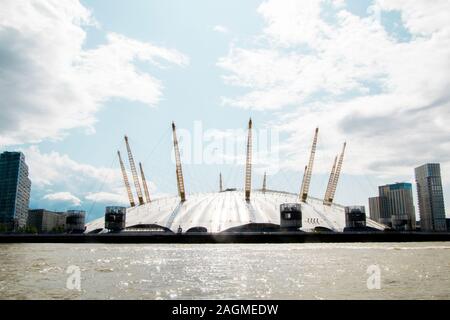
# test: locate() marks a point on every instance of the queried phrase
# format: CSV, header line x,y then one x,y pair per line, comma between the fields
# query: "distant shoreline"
x,y
248,237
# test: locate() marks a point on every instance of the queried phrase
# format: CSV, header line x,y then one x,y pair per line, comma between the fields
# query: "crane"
x,y
144,183
248,165
179,169
308,173
125,180
134,173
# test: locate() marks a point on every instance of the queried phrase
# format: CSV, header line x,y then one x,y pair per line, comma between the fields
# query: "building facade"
x,y
377,210
431,197
394,206
75,221
15,187
45,221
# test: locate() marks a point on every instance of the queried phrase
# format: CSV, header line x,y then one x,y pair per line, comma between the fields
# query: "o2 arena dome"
x,y
229,210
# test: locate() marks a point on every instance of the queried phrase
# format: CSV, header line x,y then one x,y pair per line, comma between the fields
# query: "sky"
x,y
76,76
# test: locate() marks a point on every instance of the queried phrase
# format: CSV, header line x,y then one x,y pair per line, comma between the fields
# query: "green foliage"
x,y
31,229
27,230
8,228
3,228
58,229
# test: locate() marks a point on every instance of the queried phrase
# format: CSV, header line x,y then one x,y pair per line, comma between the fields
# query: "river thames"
x,y
226,271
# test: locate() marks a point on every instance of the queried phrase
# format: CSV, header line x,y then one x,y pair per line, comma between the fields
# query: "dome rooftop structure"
x,y
230,210
222,211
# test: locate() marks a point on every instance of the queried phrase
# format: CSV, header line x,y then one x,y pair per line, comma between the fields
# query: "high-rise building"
x,y
377,210
394,206
431,197
47,221
15,189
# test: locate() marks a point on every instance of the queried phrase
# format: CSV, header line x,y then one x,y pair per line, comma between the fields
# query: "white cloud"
x,y
421,17
355,80
87,183
48,169
221,29
291,22
108,197
49,83
117,195
63,197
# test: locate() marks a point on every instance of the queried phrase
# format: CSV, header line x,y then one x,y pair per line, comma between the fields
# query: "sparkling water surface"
x,y
226,271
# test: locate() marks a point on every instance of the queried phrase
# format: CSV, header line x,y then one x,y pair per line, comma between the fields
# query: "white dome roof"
x,y
220,211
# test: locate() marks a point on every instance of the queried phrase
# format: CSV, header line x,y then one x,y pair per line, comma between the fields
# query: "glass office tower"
x,y
431,197
394,206
15,189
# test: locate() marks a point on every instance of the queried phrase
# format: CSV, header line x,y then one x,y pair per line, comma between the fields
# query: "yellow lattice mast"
x,y
303,183
248,166
336,176
134,173
330,182
144,184
125,180
264,186
308,172
179,169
